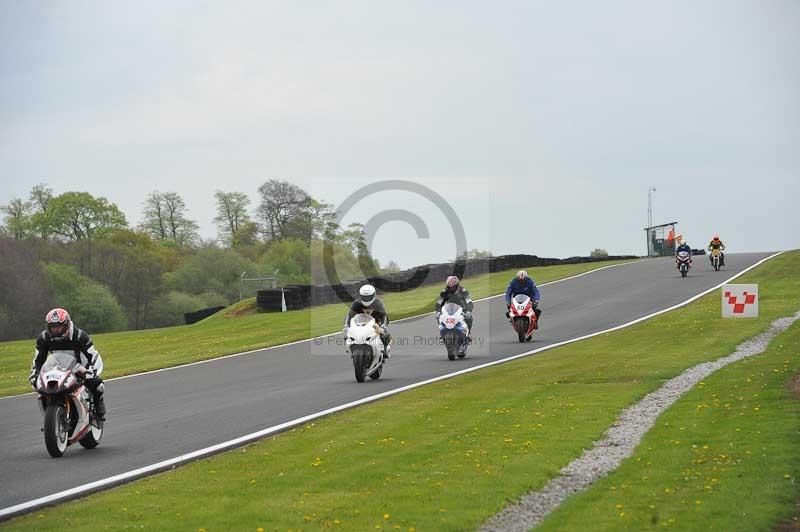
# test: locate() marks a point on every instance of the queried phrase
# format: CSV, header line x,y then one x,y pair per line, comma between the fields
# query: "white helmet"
x,y
522,275
367,293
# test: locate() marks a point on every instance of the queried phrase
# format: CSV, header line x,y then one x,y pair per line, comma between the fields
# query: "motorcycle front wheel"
x,y
522,328
56,430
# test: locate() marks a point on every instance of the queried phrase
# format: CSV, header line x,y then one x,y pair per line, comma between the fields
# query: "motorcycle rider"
x,y
367,303
716,243
523,284
683,247
62,335
453,292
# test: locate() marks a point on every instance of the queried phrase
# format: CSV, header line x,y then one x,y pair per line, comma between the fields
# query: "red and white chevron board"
x,y
740,301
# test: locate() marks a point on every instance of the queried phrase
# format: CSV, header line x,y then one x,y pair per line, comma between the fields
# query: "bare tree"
x,y
17,218
165,219
231,214
24,292
282,204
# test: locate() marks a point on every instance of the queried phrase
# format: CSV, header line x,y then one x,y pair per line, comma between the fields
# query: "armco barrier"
x,y
301,296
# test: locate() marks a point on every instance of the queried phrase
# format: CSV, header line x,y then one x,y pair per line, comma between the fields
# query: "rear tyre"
x,y
461,345
95,434
56,430
377,373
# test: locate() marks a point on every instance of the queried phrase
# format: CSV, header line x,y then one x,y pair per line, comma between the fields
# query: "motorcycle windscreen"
x,y
521,299
361,320
63,360
451,309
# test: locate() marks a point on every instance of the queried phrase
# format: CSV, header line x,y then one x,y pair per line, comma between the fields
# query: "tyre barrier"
x,y
194,317
299,296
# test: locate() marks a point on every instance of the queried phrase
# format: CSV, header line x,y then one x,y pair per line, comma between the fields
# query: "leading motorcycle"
x,y
363,342
67,405
715,258
453,330
523,317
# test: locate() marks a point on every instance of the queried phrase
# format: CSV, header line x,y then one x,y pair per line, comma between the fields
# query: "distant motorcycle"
x,y
684,260
67,405
363,342
453,330
716,258
523,317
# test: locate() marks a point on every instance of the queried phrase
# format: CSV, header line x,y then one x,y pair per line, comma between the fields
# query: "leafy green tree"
x,y
231,215
165,219
212,269
39,198
597,252
92,306
291,257
169,308
132,265
80,217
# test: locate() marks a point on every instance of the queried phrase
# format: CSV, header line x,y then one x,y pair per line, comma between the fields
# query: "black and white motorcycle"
x,y
363,342
67,405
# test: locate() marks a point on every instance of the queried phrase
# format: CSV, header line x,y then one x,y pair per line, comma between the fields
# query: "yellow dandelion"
x,y
386,516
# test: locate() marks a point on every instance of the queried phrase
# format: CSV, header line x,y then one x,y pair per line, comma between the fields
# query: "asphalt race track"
x,y
162,415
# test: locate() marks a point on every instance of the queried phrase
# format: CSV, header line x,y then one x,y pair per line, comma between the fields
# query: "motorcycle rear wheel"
x,y
94,435
56,430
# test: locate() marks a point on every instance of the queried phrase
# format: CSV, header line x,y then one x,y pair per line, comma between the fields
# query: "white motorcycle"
x,y
363,342
66,404
453,330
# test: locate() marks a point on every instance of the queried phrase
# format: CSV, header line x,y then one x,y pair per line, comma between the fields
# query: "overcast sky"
x,y
543,125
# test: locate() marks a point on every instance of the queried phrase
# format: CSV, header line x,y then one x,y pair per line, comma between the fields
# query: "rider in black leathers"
x,y
369,304
453,292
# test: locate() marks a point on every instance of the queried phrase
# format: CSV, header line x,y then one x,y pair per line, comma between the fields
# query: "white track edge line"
x,y
278,346
237,442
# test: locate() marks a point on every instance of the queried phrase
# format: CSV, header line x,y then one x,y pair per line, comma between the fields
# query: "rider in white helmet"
x,y
367,303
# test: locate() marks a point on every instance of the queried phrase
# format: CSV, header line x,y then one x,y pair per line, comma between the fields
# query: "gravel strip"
x,y
620,440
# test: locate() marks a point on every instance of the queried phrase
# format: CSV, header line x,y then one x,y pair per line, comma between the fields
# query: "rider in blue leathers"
x,y
522,284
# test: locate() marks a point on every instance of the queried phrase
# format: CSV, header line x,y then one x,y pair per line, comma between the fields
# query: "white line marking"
x,y
223,357
166,464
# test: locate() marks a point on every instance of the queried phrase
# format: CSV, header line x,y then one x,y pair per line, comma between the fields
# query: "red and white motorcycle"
x,y
67,405
363,342
683,262
523,317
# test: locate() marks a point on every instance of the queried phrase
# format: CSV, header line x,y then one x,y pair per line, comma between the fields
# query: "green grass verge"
x,y
445,456
725,456
130,352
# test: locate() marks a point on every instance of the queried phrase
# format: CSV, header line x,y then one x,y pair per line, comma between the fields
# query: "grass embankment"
x,y
449,455
235,331
724,457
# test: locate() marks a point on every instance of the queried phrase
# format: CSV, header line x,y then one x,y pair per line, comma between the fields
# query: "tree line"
x,y
78,251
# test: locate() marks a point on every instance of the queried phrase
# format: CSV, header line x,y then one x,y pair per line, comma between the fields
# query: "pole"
x,y
241,285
